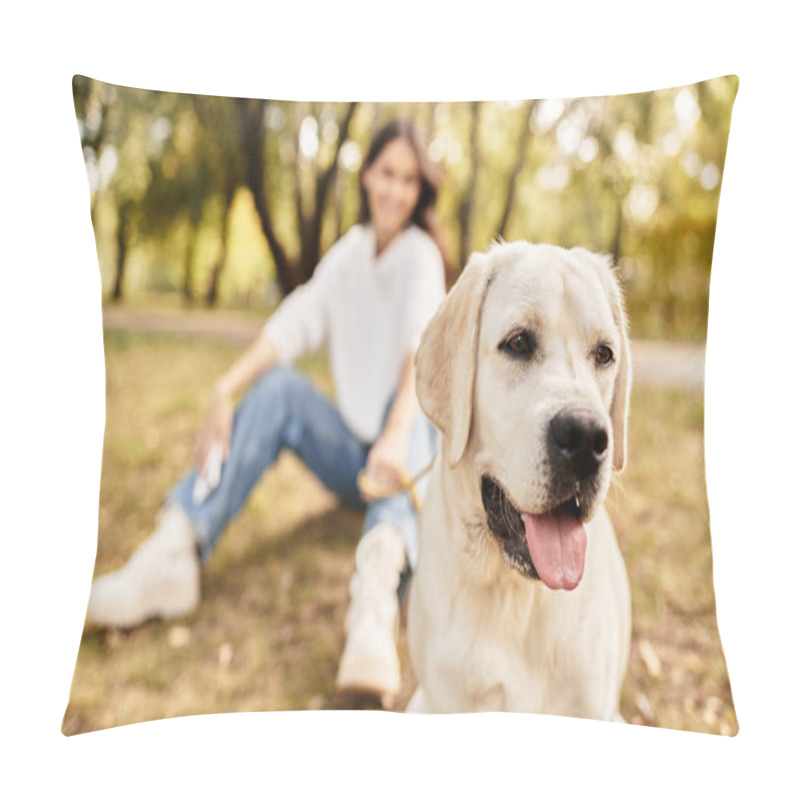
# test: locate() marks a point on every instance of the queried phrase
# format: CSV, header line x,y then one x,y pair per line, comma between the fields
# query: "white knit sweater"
x,y
369,312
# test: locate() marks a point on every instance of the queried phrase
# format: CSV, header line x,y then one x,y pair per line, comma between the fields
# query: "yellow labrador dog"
x,y
520,598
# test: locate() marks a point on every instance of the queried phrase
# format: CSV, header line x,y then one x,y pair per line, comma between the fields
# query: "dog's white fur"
x,y
482,636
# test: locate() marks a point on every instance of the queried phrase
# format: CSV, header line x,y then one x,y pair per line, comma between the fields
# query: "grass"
x,y
269,631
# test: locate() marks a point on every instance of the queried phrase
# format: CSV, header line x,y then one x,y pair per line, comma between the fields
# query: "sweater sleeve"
x,y
426,291
301,323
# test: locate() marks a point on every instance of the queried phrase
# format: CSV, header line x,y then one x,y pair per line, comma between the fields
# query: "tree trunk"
x,y
251,116
311,230
519,163
616,244
123,214
212,294
338,188
465,208
430,122
188,262
251,128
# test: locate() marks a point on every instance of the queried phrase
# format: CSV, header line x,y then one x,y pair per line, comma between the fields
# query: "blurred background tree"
x,y
231,202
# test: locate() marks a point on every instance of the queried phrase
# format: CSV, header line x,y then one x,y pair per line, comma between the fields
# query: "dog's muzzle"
x,y
577,443
527,540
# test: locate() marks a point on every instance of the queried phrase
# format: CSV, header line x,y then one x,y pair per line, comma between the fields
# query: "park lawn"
x,y
269,631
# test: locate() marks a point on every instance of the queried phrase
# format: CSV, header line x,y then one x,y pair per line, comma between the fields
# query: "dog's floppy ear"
x,y
620,400
445,361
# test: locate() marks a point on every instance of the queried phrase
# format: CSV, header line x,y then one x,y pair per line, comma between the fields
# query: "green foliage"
x,y
176,204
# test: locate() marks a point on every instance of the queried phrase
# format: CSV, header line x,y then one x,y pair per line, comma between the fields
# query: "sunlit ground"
x,y
269,631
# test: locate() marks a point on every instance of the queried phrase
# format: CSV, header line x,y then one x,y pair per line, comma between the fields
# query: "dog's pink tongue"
x,y
557,544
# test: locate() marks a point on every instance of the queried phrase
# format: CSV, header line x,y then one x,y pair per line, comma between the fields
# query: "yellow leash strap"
x,y
380,491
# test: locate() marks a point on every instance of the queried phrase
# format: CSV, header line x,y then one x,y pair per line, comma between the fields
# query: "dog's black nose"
x,y
578,442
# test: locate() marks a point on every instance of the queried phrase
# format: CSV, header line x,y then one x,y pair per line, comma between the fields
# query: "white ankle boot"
x,y
370,662
161,579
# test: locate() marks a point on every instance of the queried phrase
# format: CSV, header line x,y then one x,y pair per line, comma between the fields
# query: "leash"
x,y
381,491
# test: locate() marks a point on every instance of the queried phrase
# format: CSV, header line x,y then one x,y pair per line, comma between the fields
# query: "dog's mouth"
x,y
549,546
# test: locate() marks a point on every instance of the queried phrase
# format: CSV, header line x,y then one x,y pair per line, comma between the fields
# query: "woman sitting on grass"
x,y
367,303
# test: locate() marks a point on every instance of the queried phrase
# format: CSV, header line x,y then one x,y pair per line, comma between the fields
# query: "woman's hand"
x,y
258,358
216,428
386,461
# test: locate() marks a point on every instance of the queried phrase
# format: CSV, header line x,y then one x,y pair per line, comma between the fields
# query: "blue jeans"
x,y
284,410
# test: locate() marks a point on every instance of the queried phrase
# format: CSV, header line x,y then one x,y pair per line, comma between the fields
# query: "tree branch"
x,y
251,127
312,241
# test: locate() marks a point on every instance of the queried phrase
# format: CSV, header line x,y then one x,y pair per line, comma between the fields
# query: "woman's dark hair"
x,y
424,214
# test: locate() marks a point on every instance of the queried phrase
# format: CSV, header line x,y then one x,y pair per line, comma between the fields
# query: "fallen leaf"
x,y
712,711
225,655
650,658
644,707
179,636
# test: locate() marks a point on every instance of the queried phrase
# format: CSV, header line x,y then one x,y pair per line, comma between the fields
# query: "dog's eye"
x,y
603,355
518,345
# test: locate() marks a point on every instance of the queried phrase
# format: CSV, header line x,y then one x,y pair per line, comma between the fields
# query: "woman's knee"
x,y
277,384
269,401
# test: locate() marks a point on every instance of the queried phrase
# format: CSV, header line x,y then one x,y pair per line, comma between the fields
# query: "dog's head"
x,y
526,371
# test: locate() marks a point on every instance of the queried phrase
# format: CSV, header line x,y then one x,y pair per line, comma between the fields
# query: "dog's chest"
x,y
498,654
